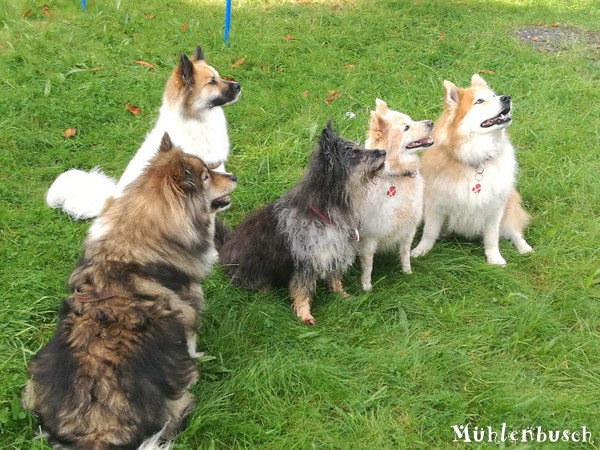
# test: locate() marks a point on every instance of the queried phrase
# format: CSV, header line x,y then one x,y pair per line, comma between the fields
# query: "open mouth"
x,y
501,118
220,203
425,142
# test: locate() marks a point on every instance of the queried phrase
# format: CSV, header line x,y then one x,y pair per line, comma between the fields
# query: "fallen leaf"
x,y
349,66
334,96
555,25
69,133
287,37
95,69
535,38
239,62
149,16
488,72
183,27
228,78
132,109
46,11
305,94
26,13
146,64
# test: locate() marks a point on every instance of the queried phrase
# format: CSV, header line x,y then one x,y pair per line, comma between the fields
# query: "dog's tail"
x,y
222,233
80,194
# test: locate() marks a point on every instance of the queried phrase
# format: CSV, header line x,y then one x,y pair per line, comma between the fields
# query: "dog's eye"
x,y
212,81
479,101
187,173
406,127
206,176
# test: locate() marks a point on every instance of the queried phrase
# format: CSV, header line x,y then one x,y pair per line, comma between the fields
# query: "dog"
x,y
311,232
192,114
116,373
394,208
470,173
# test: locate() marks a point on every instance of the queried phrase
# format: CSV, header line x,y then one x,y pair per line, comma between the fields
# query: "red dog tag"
x,y
391,192
477,188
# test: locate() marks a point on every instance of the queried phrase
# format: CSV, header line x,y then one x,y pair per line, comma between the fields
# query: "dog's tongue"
x,y
425,142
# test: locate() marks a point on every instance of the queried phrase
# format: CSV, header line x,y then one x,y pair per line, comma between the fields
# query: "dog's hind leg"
x,y
431,231
405,254
513,223
334,282
300,293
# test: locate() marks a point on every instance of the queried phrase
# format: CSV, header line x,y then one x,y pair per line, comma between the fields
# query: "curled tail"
x,y
80,194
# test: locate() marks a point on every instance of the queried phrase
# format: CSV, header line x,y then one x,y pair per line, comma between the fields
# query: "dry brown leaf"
x,y
135,110
487,72
95,69
184,27
349,66
555,24
145,64
334,96
228,78
149,16
46,11
26,12
305,94
69,133
287,37
239,62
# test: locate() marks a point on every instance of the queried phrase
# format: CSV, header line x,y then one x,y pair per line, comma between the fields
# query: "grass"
x,y
458,342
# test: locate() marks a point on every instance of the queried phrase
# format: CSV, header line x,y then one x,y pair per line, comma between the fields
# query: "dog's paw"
x,y
196,355
367,286
496,260
419,251
310,320
524,248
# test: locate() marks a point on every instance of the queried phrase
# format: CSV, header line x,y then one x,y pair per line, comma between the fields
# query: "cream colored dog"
x,y
395,205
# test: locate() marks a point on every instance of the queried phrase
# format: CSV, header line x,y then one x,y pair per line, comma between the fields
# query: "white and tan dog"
x,y
470,173
394,208
190,113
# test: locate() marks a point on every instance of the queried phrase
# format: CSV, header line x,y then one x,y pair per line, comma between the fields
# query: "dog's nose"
x,y
505,99
380,152
232,177
236,86
429,124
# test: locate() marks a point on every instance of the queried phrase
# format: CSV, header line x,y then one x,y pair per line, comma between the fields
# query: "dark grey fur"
x,y
309,233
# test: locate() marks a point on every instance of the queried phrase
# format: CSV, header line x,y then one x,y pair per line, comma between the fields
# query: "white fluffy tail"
x,y
82,195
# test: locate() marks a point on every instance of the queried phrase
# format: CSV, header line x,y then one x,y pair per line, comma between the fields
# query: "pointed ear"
x,y
198,54
186,69
477,80
165,143
381,107
450,94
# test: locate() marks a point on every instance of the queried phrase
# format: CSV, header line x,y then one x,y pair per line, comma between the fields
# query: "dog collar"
x,y
93,296
354,235
391,192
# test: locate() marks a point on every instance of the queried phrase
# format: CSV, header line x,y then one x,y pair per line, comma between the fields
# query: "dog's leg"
x,y
491,241
301,298
405,253
334,282
366,253
431,231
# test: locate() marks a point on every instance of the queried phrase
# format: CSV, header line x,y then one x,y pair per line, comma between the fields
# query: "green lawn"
x,y
457,342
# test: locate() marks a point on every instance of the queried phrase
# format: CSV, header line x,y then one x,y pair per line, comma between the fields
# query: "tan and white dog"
x,y
394,208
470,173
190,113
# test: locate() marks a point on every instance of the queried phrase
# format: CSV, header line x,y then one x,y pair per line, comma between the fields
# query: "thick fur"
x,y
309,233
192,114
394,208
470,173
116,373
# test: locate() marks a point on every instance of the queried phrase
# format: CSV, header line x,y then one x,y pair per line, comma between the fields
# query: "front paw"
x,y
419,250
496,260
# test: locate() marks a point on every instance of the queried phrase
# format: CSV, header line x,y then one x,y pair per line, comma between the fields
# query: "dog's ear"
x,y
381,107
477,80
186,70
165,144
198,54
450,94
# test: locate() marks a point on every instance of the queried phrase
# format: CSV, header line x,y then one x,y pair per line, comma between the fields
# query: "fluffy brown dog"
x,y
311,232
117,370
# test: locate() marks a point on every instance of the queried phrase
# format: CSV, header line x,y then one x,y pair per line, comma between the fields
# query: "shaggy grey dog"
x,y
311,232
